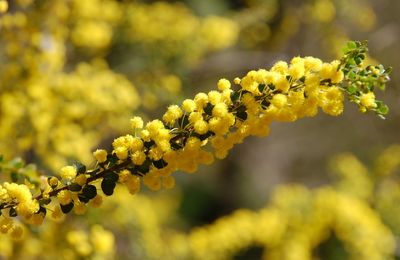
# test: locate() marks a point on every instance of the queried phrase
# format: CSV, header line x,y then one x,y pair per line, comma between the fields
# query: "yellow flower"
x,y
138,157
279,100
3,6
68,172
64,197
188,105
223,84
121,152
368,100
201,126
100,155
81,179
137,122
173,113
220,110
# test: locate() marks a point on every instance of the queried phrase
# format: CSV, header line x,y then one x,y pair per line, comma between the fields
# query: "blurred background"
x,y
73,72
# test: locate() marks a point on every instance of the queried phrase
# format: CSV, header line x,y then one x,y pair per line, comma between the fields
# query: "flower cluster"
x,y
222,117
60,55
296,223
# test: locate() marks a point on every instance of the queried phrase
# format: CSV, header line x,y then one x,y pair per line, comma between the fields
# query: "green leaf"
x,y
145,167
67,208
358,60
208,109
112,176
14,177
159,164
80,167
75,187
12,212
261,87
352,89
381,108
352,75
242,115
351,45
112,159
203,136
265,103
44,201
235,96
382,86
388,70
108,187
83,198
42,210
149,144
89,191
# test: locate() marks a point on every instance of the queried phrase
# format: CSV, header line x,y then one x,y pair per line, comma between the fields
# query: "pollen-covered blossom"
x,y
100,155
26,204
136,122
68,172
368,100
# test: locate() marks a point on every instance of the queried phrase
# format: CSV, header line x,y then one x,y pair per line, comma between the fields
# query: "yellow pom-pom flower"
x,y
100,155
68,172
368,100
136,122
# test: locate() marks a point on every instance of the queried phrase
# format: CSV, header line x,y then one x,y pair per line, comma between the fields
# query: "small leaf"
x,y
42,210
14,177
381,108
242,115
80,168
265,103
112,176
235,96
145,167
67,208
352,89
44,201
13,212
208,109
261,87
271,86
149,144
351,45
89,191
112,158
108,187
83,198
203,136
159,164
388,70
175,146
74,187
